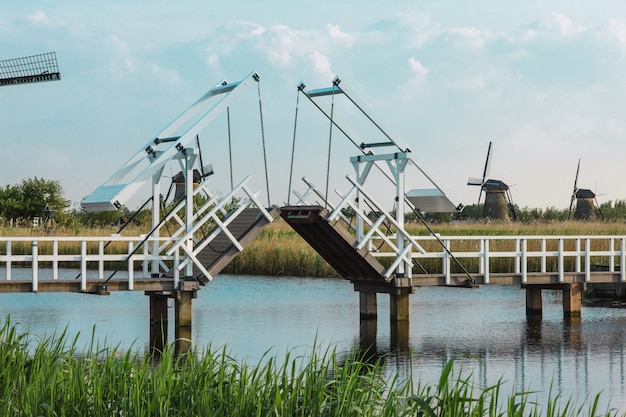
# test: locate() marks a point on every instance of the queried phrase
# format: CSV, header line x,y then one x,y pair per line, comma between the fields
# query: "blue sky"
x,y
543,80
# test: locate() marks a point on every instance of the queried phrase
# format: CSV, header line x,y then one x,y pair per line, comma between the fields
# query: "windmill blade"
x,y
478,203
576,178
573,197
487,164
571,203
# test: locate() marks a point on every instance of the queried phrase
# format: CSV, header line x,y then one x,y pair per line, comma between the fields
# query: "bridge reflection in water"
x,y
250,315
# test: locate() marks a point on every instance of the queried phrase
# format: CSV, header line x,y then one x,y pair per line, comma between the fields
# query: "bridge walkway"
x,y
333,242
218,249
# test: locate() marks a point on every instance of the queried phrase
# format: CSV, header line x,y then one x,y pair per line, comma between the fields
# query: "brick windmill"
x,y
586,203
498,204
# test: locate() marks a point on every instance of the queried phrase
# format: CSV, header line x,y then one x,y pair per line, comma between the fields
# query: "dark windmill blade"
x,y
573,197
29,69
481,182
487,164
510,204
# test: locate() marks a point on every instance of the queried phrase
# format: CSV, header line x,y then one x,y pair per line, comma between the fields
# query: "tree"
x,y
10,202
31,197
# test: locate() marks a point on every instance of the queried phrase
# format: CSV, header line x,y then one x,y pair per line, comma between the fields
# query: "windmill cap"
x,y
585,193
495,185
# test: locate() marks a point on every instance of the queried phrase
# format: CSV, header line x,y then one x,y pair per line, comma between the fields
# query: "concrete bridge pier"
x,y
572,298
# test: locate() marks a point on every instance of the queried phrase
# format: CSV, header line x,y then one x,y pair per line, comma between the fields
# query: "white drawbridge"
x,y
177,143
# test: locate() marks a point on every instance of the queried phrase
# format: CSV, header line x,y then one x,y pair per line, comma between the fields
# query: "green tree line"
x,y
31,197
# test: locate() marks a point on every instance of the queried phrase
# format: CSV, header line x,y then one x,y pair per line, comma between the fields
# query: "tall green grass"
x,y
50,377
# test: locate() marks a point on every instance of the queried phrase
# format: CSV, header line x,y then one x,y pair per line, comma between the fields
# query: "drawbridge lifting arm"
x,y
168,145
427,200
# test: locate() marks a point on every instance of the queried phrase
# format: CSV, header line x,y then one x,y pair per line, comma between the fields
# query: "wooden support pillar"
x,y
158,323
400,335
367,335
399,305
183,314
572,295
367,305
533,301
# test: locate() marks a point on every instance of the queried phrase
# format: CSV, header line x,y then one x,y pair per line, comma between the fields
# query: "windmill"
x,y
498,203
585,201
29,69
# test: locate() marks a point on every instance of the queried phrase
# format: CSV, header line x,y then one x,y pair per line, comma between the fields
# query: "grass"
x,y
51,378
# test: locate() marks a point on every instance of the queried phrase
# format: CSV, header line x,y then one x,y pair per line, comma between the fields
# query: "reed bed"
x,y
51,378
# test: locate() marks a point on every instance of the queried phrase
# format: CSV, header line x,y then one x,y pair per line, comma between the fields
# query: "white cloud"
x,y
617,30
38,18
336,33
565,26
212,59
322,64
420,72
123,51
164,75
470,36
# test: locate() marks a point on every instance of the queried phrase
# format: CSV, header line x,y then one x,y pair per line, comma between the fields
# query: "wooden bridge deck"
x,y
419,280
533,278
221,251
336,245
93,286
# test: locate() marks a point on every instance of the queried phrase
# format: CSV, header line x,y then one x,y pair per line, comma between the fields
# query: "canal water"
x,y
484,329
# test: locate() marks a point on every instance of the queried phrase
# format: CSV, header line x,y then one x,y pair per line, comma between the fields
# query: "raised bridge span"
x,y
196,233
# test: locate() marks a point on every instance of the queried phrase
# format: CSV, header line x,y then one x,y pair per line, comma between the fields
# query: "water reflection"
x,y
486,330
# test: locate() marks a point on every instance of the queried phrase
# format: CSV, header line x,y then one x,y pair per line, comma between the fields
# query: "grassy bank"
x,y
50,378
278,250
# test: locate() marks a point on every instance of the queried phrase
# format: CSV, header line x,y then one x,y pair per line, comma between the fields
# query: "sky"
x,y
544,81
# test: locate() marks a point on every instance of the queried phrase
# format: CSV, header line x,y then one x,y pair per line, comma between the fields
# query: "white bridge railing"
x,y
519,255
522,255
510,254
102,257
90,254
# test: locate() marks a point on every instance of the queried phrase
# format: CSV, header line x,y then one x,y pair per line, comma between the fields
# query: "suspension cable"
x,y
330,141
472,281
267,181
293,144
145,239
230,148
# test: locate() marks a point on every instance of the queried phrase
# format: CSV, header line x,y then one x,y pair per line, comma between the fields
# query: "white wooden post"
x,y
35,263
622,260
131,267
83,265
9,259
486,254
55,259
446,260
524,262
587,260
561,262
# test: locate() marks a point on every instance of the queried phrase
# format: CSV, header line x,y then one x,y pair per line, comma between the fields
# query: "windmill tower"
x,y
498,203
585,201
